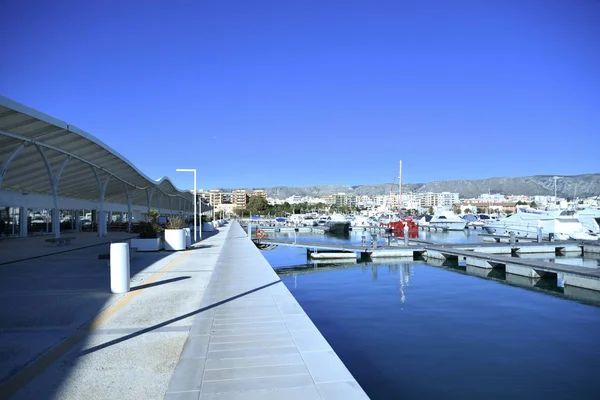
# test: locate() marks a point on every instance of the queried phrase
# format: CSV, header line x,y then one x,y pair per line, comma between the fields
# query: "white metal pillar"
x,y
23,211
195,200
129,194
101,214
77,221
6,163
149,199
54,179
160,195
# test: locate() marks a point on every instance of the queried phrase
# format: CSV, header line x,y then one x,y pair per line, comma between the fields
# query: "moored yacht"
x,y
473,220
361,220
562,224
338,224
447,220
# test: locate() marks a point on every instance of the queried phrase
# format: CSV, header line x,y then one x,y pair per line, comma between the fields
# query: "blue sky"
x,y
264,93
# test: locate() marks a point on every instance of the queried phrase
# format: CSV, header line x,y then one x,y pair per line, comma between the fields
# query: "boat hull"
x,y
339,227
449,225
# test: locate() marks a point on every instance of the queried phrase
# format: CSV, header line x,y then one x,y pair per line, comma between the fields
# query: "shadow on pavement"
x,y
149,285
47,303
165,323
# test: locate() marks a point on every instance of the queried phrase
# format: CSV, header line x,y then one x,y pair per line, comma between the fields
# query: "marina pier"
x,y
484,256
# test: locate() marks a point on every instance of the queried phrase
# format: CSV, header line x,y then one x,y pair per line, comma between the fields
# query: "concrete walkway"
x,y
252,340
181,332
17,249
63,335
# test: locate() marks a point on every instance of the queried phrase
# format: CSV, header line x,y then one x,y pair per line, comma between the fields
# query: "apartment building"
x,y
214,196
343,199
260,193
444,199
239,198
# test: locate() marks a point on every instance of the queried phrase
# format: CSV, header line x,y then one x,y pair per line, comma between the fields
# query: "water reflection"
x,y
297,257
453,321
405,270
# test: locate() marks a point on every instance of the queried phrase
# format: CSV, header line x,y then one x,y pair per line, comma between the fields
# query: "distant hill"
x,y
567,186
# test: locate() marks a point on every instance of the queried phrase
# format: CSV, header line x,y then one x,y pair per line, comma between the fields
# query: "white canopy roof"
x,y
32,143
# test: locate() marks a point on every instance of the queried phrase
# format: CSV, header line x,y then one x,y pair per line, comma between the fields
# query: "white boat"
x,y
448,220
567,225
338,224
309,220
424,220
523,224
361,220
563,225
590,219
472,220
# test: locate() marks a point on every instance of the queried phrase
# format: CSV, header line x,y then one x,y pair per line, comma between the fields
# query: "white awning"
x,y
31,143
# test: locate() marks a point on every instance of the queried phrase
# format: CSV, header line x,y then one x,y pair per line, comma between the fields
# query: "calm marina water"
x,y
409,330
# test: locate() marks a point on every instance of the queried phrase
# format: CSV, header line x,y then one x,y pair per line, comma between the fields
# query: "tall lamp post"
x,y
195,200
555,179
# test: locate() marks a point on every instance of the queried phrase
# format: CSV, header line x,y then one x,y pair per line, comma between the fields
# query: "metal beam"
x,y
39,145
10,158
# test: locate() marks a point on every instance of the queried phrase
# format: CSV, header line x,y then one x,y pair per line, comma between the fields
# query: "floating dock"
x,y
486,256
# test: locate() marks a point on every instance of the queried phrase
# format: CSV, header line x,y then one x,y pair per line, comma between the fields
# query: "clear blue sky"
x,y
262,93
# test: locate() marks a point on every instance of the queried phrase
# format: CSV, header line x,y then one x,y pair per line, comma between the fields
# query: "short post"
x,y
406,234
188,238
539,234
119,267
512,238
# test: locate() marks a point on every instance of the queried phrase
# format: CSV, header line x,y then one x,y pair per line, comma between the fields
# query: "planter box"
x,y
208,227
175,239
147,244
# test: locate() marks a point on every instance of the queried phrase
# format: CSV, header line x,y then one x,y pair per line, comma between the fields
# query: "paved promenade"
x,y
253,341
213,322
13,250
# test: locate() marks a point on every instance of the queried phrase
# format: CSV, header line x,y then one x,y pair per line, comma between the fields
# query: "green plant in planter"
x,y
150,229
175,223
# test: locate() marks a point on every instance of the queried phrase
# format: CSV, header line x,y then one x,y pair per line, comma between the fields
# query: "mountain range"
x,y
573,186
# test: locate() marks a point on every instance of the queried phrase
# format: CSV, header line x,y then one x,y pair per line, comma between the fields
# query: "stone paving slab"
x,y
13,250
258,343
48,303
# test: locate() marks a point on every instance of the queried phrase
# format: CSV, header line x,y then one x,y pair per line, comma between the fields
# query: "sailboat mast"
x,y
400,186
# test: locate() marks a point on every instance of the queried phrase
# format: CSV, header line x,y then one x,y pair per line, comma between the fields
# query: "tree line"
x,y
259,206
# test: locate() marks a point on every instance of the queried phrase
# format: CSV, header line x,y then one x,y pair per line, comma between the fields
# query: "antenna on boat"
x,y
400,188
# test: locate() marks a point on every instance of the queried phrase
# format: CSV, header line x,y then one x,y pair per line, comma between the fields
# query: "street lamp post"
x,y
195,200
555,179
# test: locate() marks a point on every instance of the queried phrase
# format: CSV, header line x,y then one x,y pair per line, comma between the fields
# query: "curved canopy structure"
x,y
44,155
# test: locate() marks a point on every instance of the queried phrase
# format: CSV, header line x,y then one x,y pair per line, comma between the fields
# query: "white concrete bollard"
x,y
188,238
119,267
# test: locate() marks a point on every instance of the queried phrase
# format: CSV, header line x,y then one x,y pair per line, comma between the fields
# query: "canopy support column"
x,y
23,211
149,198
129,195
5,164
100,208
54,179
